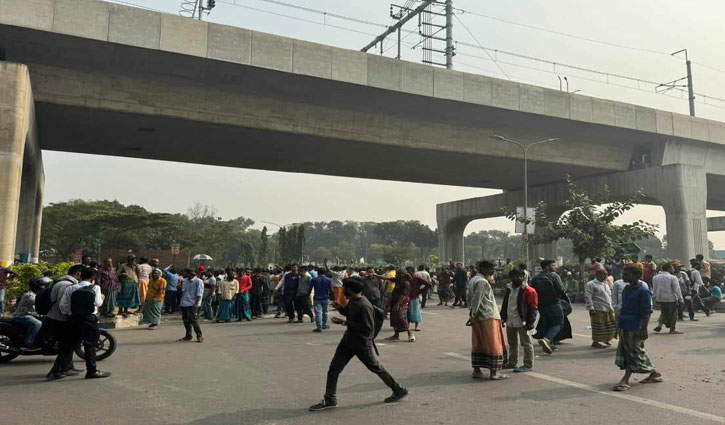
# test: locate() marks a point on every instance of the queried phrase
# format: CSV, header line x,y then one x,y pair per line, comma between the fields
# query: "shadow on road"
x,y
270,415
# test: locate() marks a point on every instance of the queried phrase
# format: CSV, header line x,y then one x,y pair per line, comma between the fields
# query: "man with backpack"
x,y
57,324
362,323
81,301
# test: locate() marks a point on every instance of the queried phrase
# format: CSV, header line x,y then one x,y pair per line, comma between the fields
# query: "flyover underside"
x,y
86,130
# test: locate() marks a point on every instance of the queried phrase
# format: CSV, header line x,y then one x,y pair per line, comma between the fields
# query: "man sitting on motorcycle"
x,y
26,316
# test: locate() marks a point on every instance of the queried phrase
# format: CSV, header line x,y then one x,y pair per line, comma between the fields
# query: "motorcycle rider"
x,y
26,316
57,324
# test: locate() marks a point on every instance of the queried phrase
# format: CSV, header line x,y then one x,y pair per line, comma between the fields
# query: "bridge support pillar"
x,y
21,178
682,192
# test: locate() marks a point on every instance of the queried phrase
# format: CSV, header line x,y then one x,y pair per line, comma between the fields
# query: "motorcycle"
x,y
12,336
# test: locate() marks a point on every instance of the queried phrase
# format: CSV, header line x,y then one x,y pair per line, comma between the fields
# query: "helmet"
x,y
37,284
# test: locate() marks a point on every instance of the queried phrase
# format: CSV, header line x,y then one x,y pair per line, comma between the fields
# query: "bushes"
x,y
26,272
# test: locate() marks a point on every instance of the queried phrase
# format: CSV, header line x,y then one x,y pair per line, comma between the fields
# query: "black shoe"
x,y
397,395
323,405
54,376
98,375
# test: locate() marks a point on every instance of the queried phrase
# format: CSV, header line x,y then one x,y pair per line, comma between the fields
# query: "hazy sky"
x,y
657,25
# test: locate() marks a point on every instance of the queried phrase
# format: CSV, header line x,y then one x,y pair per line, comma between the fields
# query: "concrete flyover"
x,y
684,190
115,80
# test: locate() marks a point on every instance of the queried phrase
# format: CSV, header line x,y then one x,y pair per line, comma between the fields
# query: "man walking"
x,y
598,299
518,314
357,341
291,283
322,286
667,293
550,290
302,300
191,292
686,287
460,277
633,321
58,324
80,301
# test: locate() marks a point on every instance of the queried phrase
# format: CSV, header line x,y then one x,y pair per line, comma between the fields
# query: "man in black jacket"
x,y
550,290
357,341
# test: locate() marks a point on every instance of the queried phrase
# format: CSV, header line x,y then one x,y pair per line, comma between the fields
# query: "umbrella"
x,y
202,257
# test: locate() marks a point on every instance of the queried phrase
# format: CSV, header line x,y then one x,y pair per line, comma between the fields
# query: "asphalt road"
x,y
268,372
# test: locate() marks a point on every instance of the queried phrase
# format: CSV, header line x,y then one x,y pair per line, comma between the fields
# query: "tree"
x,y
589,223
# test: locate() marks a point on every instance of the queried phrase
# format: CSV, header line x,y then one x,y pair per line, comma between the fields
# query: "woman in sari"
x,y
488,343
155,292
228,288
399,303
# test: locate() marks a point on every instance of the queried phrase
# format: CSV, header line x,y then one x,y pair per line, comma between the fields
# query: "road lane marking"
x,y
429,312
640,400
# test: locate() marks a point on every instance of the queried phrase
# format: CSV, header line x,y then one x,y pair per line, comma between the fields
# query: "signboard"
x,y
175,249
520,226
631,249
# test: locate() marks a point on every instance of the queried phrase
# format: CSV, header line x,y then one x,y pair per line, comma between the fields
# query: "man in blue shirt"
x,y
291,283
192,291
633,321
172,280
322,285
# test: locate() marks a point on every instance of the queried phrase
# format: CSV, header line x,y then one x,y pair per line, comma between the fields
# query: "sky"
x,y
634,39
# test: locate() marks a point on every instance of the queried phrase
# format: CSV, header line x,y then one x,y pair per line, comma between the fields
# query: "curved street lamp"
x,y
525,149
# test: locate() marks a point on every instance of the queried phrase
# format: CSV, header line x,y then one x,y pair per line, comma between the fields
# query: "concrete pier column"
x,y
682,192
30,205
15,120
450,241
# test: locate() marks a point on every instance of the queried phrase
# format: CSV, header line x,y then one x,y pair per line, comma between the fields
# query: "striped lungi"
x,y
604,325
488,344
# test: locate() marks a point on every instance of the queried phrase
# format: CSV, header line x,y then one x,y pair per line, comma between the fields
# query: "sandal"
x,y
499,377
621,388
184,339
651,380
412,338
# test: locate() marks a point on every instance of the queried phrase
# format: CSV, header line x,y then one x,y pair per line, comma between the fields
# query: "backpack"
x,y
43,304
83,301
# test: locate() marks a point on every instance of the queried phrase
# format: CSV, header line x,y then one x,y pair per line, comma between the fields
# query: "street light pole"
x,y
525,150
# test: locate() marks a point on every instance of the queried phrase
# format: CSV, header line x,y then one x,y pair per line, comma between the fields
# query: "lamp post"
x,y
525,149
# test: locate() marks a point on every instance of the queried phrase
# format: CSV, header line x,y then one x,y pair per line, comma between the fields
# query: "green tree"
x,y
264,247
589,223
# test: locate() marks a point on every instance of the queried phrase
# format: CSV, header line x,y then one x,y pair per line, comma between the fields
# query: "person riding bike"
x,y
26,316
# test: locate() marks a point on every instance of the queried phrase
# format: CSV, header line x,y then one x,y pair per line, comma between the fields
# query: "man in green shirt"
x,y
714,297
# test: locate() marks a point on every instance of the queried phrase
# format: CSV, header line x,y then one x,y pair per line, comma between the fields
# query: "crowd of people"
x,y
620,297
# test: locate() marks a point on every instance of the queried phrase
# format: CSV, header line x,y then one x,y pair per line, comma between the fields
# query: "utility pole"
x,y
449,35
690,89
400,23
525,149
673,84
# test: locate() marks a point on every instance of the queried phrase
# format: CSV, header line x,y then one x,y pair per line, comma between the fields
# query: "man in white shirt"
x,y
666,290
598,298
83,323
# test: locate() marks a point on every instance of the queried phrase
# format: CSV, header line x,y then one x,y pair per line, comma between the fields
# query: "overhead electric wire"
x,y
483,48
